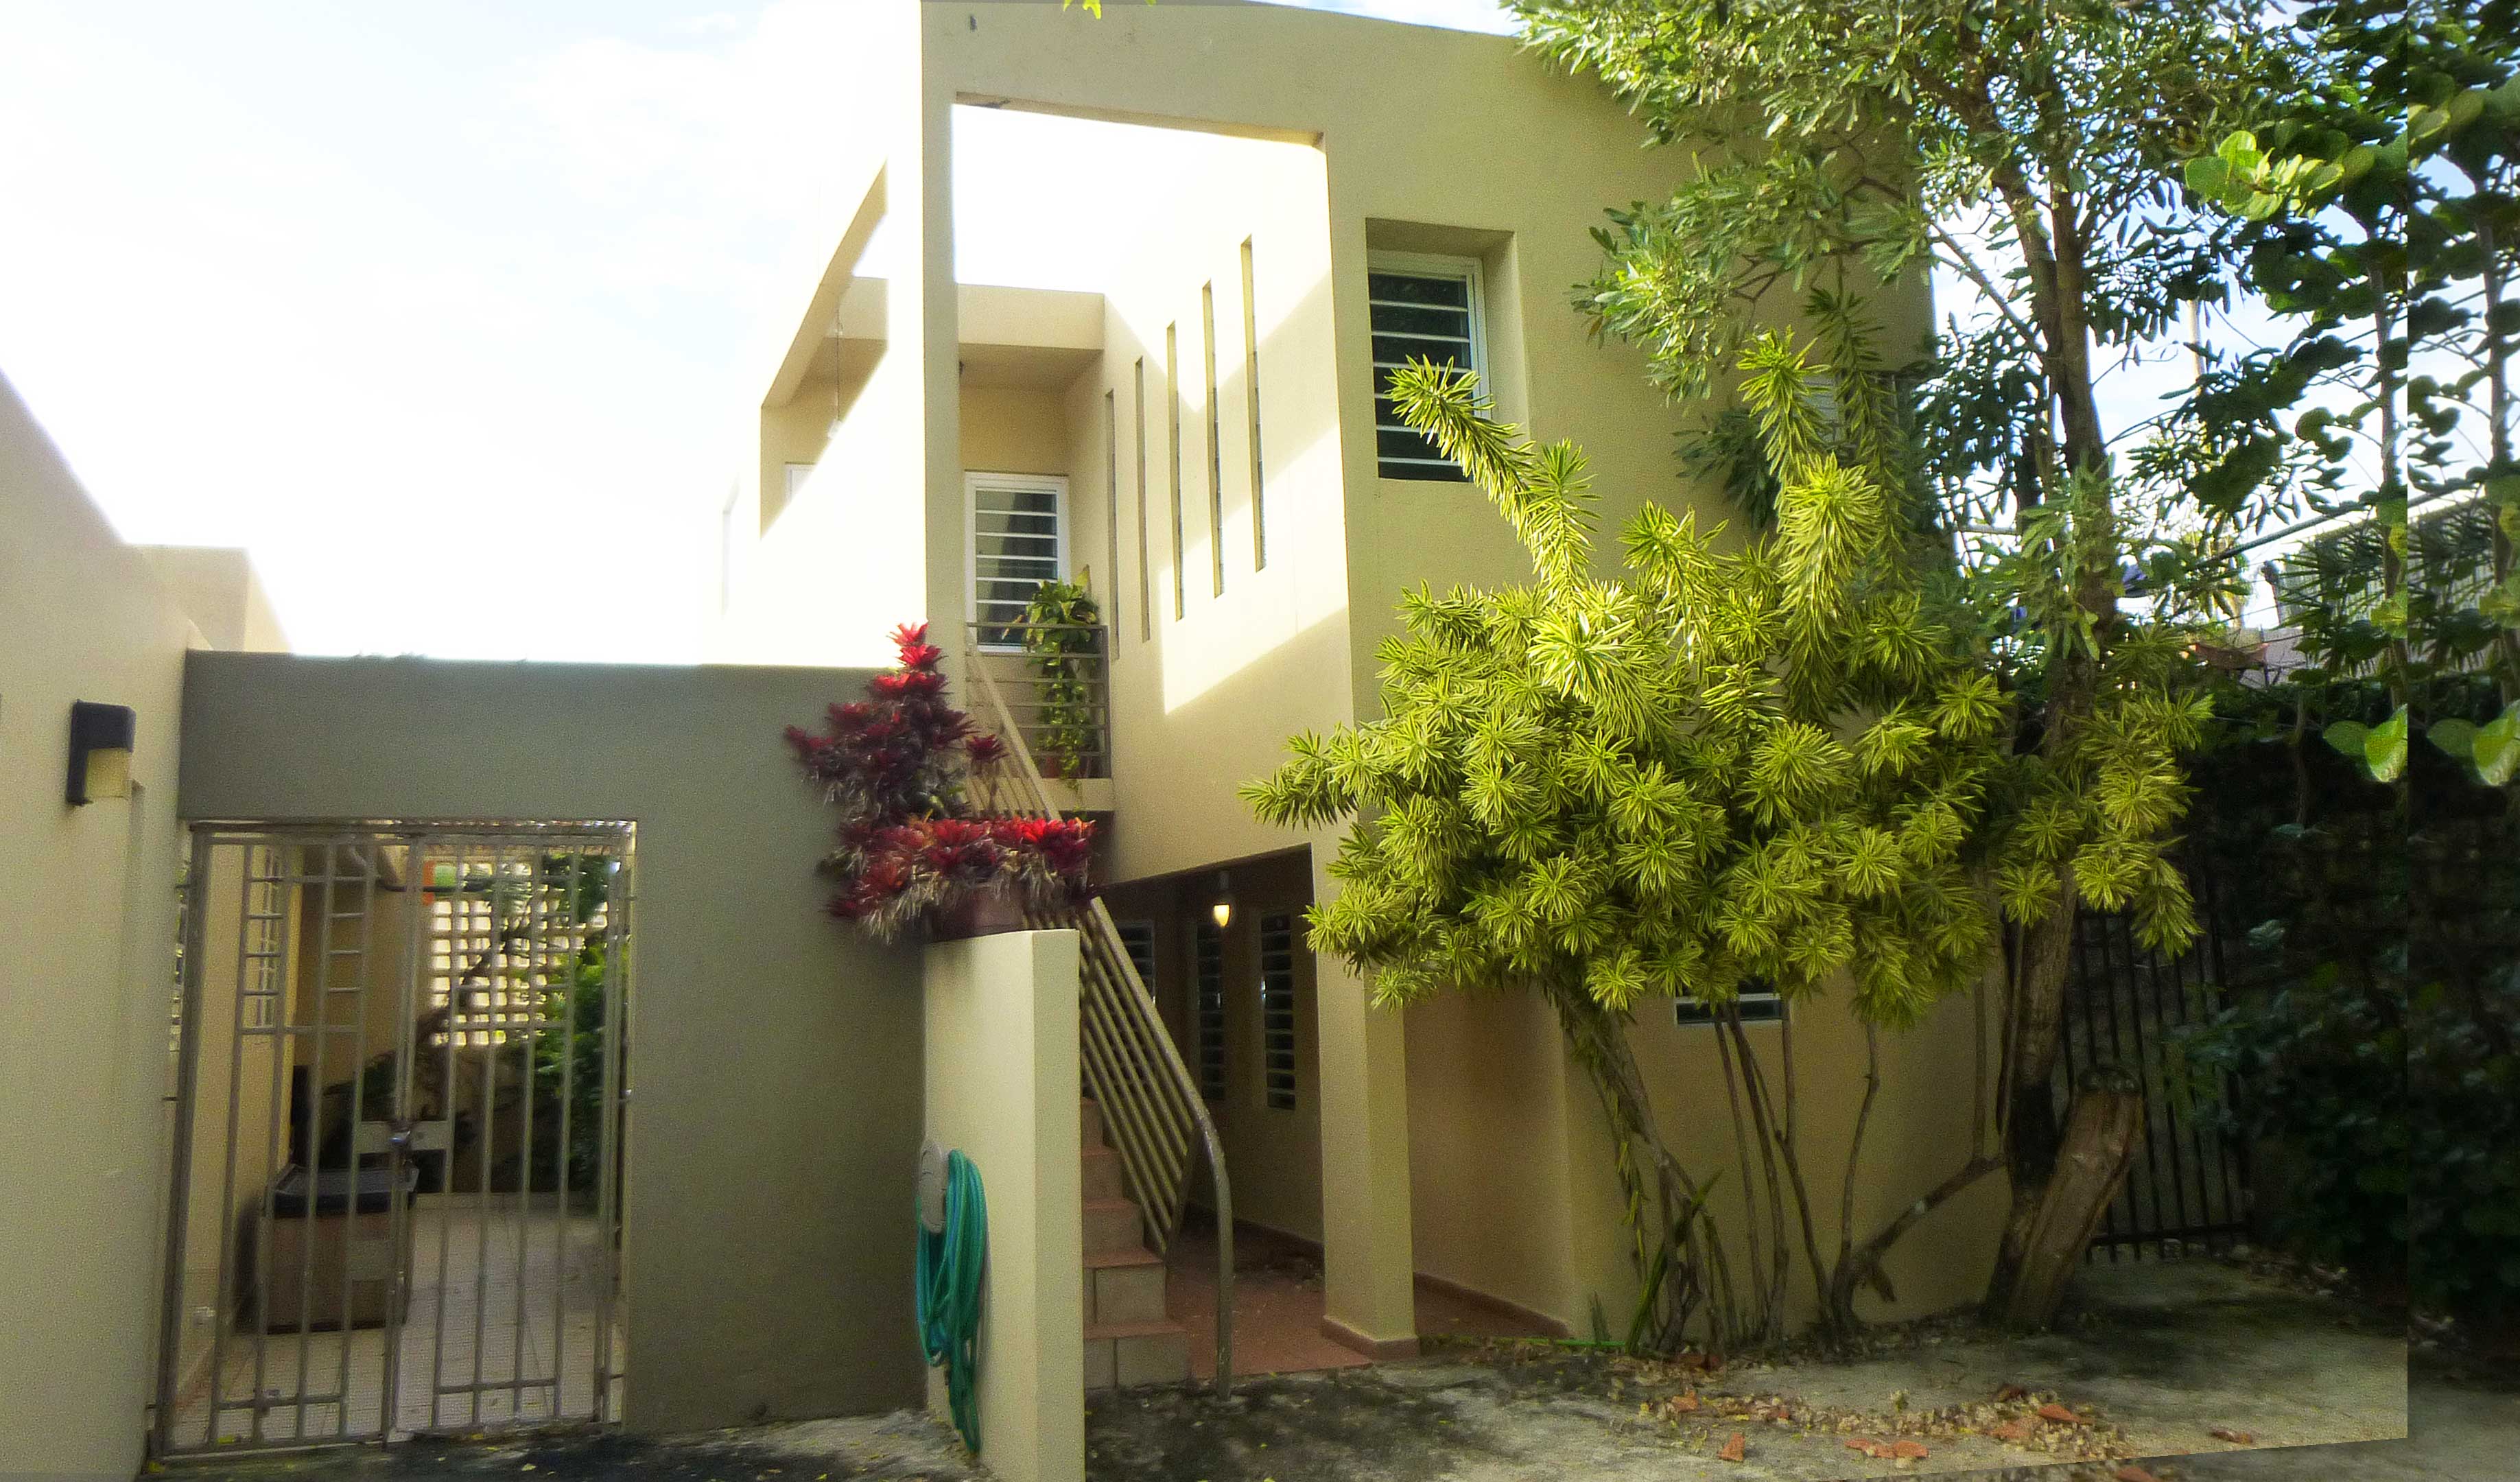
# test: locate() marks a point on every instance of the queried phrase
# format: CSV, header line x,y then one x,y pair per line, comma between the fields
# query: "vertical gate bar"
x,y
188,1077
2171,1213
322,999
375,859
2210,1181
2142,1198
493,960
561,1162
402,1219
2230,1089
620,900
225,1291
276,970
2082,986
561,1168
2189,1124
2144,1213
455,918
536,963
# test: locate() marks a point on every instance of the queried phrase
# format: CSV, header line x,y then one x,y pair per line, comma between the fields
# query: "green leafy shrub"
x,y
1063,640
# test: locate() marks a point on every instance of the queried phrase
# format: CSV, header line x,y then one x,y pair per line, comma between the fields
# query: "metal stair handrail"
x,y
1151,1106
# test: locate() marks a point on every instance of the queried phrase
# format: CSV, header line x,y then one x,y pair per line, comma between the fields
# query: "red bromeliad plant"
x,y
901,766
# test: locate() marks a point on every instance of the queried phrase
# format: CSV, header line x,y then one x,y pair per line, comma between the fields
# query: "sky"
x,y
439,311
443,312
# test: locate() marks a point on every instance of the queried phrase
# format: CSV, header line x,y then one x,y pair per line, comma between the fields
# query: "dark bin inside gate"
x,y
331,1235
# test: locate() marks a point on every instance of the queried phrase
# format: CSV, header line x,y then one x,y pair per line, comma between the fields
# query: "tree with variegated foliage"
x,y
2030,152
1768,760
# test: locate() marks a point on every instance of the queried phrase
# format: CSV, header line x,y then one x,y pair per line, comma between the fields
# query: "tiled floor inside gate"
x,y
503,1313
1277,1305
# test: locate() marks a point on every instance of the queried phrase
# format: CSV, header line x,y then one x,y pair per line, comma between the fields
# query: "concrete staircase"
x,y
1129,1339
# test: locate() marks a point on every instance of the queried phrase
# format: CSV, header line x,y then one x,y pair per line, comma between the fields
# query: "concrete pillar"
x,y
1367,1254
1001,1066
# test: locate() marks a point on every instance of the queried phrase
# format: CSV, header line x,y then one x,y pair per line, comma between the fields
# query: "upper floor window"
x,y
1421,308
1019,530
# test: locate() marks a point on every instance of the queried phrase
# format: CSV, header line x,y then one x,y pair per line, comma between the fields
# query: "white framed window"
x,y
1016,538
798,475
1759,1005
1422,307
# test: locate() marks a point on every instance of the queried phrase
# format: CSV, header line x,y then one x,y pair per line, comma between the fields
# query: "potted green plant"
x,y
1062,640
915,848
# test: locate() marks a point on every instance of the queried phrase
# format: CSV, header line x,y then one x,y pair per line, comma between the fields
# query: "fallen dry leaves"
x,y
1890,1451
2134,1473
2236,1437
1733,1450
1701,1415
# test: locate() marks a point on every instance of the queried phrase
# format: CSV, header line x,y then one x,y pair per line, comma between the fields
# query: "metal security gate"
x,y
394,1200
2187,1188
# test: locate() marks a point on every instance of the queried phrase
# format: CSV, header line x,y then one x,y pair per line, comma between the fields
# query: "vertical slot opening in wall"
x,y
1251,407
1278,1007
1112,509
1137,432
1215,442
1209,963
1172,429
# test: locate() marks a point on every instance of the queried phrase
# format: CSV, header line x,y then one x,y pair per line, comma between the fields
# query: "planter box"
x,y
981,912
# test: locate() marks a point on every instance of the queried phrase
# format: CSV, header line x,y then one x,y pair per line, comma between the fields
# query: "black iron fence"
x,y
2188,1189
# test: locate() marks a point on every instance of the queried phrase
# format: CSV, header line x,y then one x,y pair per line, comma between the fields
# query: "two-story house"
x,y
1284,205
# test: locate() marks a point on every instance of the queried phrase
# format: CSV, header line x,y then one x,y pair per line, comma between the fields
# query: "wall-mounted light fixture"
x,y
100,751
1223,908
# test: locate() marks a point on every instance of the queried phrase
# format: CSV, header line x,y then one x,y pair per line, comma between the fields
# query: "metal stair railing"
x,y
1152,1111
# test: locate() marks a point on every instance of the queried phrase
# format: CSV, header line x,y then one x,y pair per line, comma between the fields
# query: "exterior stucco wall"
x,y
1002,1073
87,931
1317,160
1015,429
775,1056
217,589
1489,1189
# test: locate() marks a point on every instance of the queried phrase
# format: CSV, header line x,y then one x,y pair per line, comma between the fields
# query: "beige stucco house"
x,y
1198,439
1196,436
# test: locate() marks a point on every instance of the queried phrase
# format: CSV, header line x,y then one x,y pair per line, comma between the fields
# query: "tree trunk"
x,y
2029,1107
2098,1144
1666,1207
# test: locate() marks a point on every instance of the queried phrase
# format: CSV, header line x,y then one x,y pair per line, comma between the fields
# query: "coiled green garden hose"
x,y
953,1263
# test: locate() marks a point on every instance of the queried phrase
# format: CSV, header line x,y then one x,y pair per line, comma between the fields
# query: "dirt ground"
x,y
2156,1360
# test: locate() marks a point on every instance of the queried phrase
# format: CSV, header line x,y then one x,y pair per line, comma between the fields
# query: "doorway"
x,y
395,1185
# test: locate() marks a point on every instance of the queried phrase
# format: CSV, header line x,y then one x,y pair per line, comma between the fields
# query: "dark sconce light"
x,y
1222,909
100,751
